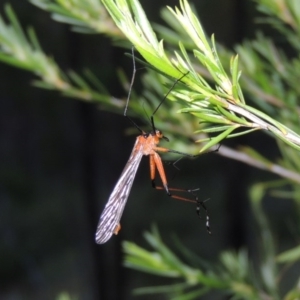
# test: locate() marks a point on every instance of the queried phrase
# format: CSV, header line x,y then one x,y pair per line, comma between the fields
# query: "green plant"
x,y
210,100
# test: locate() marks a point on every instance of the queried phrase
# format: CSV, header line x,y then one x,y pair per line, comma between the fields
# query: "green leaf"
x,y
216,140
290,255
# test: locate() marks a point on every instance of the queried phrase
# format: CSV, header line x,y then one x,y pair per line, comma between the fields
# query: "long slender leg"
x,y
155,162
207,223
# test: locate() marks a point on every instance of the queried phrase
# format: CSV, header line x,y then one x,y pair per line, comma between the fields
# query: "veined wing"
x,y
111,215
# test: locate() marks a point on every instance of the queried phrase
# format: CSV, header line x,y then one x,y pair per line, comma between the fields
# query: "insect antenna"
x,y
129,94
163,100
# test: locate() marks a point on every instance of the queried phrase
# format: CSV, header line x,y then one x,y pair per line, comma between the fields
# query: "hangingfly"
x,y
146,144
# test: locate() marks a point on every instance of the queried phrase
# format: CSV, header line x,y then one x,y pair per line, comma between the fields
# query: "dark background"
x,y
60,159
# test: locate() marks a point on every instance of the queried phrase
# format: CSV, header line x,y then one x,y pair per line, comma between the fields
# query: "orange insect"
x,y
146,144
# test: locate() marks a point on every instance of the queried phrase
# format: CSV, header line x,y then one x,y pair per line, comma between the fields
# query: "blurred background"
x,y
60,159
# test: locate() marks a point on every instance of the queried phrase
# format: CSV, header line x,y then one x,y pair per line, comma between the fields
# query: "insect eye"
x,y
158,133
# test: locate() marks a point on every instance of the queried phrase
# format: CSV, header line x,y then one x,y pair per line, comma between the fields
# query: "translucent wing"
x,y
111,215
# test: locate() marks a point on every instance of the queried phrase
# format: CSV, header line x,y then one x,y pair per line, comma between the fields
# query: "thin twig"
x,y
247,159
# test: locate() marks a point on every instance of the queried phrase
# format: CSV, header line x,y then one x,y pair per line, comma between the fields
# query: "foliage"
x,y
211,100
233,274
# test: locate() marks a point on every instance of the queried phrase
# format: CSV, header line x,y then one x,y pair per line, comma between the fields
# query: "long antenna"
x,y
129,93
163,100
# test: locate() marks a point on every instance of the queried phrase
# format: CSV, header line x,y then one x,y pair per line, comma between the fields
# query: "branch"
x,y
260,164
221,104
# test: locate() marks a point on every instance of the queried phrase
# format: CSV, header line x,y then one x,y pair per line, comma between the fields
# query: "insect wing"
x,y
111,215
